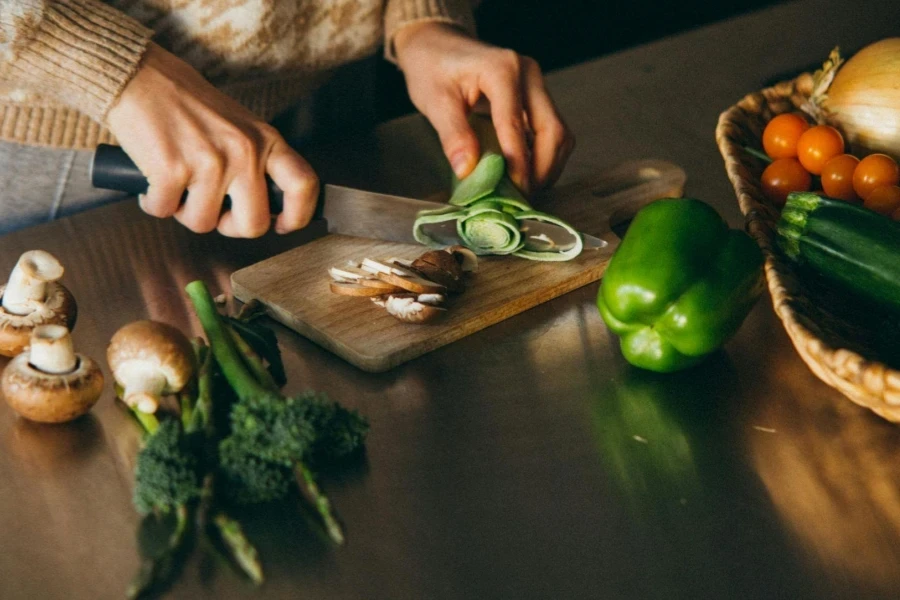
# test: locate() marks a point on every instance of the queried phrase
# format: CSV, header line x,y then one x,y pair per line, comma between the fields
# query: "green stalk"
x,y
233,367
202,416
187,409
146,420
240,548
220,342
252,360
319,500
157,571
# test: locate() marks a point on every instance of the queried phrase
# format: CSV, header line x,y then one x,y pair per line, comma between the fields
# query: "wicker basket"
x,y
840,352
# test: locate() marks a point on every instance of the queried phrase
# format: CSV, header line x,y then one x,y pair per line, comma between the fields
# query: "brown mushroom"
x,y
149,360
51,383
409,309
33,297
440,267
467,259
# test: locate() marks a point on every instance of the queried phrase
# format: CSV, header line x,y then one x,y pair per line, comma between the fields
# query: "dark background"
x,y
559,33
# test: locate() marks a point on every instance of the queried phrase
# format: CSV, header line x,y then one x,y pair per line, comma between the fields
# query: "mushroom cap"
x,y
151,344
51,398
60,308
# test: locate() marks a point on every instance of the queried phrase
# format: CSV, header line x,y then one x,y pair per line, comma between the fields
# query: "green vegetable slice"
x,y
481,182
486,230
428,217
549,255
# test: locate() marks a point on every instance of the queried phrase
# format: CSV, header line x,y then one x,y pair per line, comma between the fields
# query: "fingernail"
x,y
459,162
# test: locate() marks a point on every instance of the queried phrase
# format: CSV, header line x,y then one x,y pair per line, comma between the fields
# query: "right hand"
x,y
184,134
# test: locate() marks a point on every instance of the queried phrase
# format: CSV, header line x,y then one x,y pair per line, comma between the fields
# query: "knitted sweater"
x,y
63,63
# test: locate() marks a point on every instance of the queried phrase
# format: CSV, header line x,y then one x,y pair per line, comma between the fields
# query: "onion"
x,y
862,97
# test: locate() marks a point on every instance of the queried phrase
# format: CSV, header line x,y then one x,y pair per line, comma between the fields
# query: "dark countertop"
x,y
524,461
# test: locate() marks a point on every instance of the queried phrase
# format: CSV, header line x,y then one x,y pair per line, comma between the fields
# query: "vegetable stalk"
x,y
249,390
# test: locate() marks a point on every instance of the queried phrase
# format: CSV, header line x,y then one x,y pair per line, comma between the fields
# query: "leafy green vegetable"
x,y
167,472
249,479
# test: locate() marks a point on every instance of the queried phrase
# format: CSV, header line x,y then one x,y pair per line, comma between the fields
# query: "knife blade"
x,y
347,211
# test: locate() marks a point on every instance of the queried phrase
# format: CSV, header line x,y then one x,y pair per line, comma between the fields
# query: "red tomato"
x,y
782,177
875,171
837,177
817,146
781,134
884,200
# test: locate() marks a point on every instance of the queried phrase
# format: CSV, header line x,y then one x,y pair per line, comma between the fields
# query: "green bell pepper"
x,y
679,285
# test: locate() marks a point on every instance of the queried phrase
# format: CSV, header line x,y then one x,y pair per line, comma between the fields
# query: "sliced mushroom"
x,y
451,281
51,383
408,280
467,259
33,297
377,266
149,360
380,284
348,273
409,310
355,289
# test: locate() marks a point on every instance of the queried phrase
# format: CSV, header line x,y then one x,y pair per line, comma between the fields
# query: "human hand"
x,y
447,73
184,134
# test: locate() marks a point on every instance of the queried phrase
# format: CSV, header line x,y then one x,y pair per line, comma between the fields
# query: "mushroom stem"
x,y
52,350
143,389
28,281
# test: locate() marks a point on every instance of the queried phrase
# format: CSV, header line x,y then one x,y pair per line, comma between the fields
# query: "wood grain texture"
x,y
294,285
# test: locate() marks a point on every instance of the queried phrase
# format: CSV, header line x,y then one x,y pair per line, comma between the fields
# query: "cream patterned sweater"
x,y
63,63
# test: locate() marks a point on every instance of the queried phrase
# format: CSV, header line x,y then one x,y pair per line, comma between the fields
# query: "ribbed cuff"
x,y
81,54
400,13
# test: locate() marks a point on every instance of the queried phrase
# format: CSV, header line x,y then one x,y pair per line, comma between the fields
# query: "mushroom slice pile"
x,y
31,297
51,383
412,291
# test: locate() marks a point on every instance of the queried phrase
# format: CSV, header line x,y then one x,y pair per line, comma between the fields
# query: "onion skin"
x,y
863,100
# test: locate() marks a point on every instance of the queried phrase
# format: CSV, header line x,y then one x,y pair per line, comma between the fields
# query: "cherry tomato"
x,y
884,200
782,177
781,134
817,146
874,171
837,177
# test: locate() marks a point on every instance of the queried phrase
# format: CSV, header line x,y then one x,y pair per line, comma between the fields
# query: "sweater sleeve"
x,y
80,53
400,13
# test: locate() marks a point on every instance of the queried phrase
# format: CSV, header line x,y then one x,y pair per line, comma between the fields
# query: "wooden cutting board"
x,y
294,285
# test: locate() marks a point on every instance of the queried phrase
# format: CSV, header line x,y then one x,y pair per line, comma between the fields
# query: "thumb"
x,y
458,140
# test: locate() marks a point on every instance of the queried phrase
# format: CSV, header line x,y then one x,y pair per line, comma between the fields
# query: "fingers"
x,y
299,184
200,211
504,90
167,182
553,142
249,215
460,144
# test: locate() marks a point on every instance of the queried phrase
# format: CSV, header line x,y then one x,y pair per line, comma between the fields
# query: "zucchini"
x,y
855,248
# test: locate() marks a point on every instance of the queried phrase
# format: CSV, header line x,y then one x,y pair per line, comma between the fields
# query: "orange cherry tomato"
x,y
782,177
781,134
817,146
837,177
875,171
884,200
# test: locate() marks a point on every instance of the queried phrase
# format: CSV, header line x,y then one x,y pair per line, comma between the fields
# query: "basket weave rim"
x,y
866,382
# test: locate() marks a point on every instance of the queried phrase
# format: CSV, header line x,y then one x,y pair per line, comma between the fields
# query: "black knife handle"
x,y
112,169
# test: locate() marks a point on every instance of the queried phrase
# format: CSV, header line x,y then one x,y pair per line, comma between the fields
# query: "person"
x,y
188,88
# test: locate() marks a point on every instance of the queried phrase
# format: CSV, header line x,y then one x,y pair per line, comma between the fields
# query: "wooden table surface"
x,y
527,460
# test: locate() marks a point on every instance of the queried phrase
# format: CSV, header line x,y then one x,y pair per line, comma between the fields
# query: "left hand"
x,y
447,73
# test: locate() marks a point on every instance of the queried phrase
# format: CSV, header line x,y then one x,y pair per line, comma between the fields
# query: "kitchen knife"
x,y
348,211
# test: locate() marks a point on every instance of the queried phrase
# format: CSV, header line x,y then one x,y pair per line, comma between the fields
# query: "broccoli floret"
x,y
248,479
339,432
306,427
167,471
272,428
